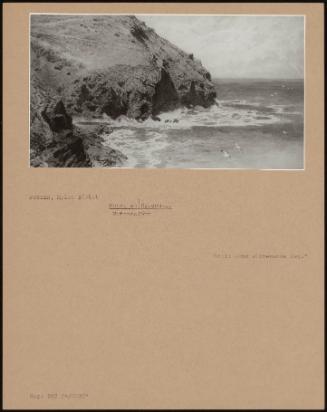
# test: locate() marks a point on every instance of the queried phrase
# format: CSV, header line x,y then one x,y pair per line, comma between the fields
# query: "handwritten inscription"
x,y
140,205
138,208
131,208
260,256
57,396
131,213
65,196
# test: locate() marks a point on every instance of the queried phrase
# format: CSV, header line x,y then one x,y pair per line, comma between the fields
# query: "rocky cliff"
x,y
90,65
56,142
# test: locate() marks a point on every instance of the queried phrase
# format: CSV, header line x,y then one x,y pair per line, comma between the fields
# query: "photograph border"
x,y
181,14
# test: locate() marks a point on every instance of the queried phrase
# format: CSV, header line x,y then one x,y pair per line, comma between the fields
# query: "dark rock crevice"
x,y
196,96
84,95
114,105
165,97
56,116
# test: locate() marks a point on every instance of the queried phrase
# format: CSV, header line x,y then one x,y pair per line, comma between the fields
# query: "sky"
x,y
238,46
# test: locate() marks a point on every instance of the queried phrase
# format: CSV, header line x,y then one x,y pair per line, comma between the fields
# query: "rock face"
x,y
65,145
53,141
165,95
104,65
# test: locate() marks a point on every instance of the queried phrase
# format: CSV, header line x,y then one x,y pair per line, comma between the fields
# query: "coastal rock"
x,y
93,67
165,96
56,116
56,142
117,66
99,153
63,155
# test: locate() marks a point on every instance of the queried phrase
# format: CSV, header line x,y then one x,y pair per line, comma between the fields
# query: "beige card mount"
x,y
163,206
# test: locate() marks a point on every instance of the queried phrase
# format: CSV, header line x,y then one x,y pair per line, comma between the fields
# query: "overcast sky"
x,y
238,46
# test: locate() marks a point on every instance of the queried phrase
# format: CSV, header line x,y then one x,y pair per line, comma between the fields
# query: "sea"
x,y
255,124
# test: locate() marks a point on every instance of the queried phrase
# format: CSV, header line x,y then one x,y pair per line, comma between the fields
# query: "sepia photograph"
x,y
167,91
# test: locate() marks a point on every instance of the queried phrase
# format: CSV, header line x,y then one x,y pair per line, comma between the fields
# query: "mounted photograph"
x,y
167,91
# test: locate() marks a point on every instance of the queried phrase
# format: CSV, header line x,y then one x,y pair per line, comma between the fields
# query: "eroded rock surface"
x,y
65,145
93,66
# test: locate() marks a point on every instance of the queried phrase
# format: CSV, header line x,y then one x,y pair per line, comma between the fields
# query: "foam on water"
x,y
221,114
142,148
153,143
250,126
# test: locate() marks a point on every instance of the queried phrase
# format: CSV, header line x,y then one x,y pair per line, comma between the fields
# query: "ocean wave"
x,y
219,115
225,113
286,109
142,148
